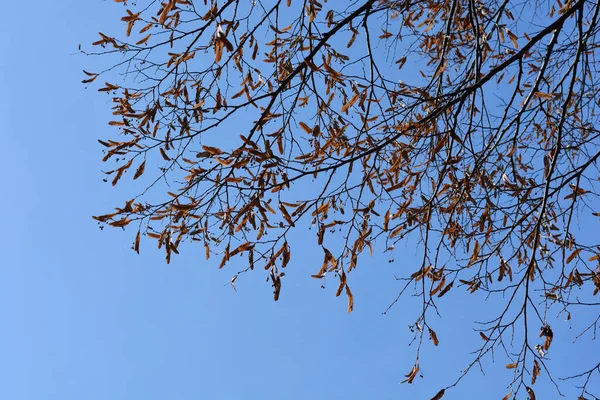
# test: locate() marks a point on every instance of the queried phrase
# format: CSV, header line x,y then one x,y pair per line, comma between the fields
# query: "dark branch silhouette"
x,y
469,126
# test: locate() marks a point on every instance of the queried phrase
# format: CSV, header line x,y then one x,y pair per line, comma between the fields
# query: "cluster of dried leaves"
x,y
268,116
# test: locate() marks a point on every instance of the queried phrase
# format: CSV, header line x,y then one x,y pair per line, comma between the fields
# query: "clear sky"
x,y
84,317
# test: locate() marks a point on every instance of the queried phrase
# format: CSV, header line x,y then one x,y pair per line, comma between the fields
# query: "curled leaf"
x,y
412,374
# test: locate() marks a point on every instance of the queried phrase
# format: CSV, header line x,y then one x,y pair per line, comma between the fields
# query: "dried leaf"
x,y
165,12
305,127
350,103
549,334
433,337
276,288
536,372
412,374
136,246
140,170
439,395
120,223
513,38
474,254
573,256
164,155
143,40
350,299
446,289
530,392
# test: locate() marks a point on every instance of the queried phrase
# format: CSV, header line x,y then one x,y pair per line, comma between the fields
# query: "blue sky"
x,y
84,317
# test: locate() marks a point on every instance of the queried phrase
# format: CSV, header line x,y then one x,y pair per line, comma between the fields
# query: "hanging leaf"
x,y
164,155
305,127
433,337
446,289
350,103
350,299
474,254
573,256
276,287
536,372
412,374
547,332
140,170
144,40
136,246
530,392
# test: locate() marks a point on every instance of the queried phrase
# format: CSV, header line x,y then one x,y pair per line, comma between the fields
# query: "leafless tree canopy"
x,y
467,126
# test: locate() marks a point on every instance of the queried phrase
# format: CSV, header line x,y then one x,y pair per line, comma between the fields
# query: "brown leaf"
x,y
89,80
136,246
475,253
530,392
225,257
433,337
342,283
549,334
305,127
146,27
438,287
350,299
143,40
164,155
401,61
276,288
108,87
182,207
547,96
165,12
120,223
511,366
573,256
410,377
513,38
396,232
218,50
213,151
140,170
439,395
446,289
350,103
286,215
536,372
547,342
